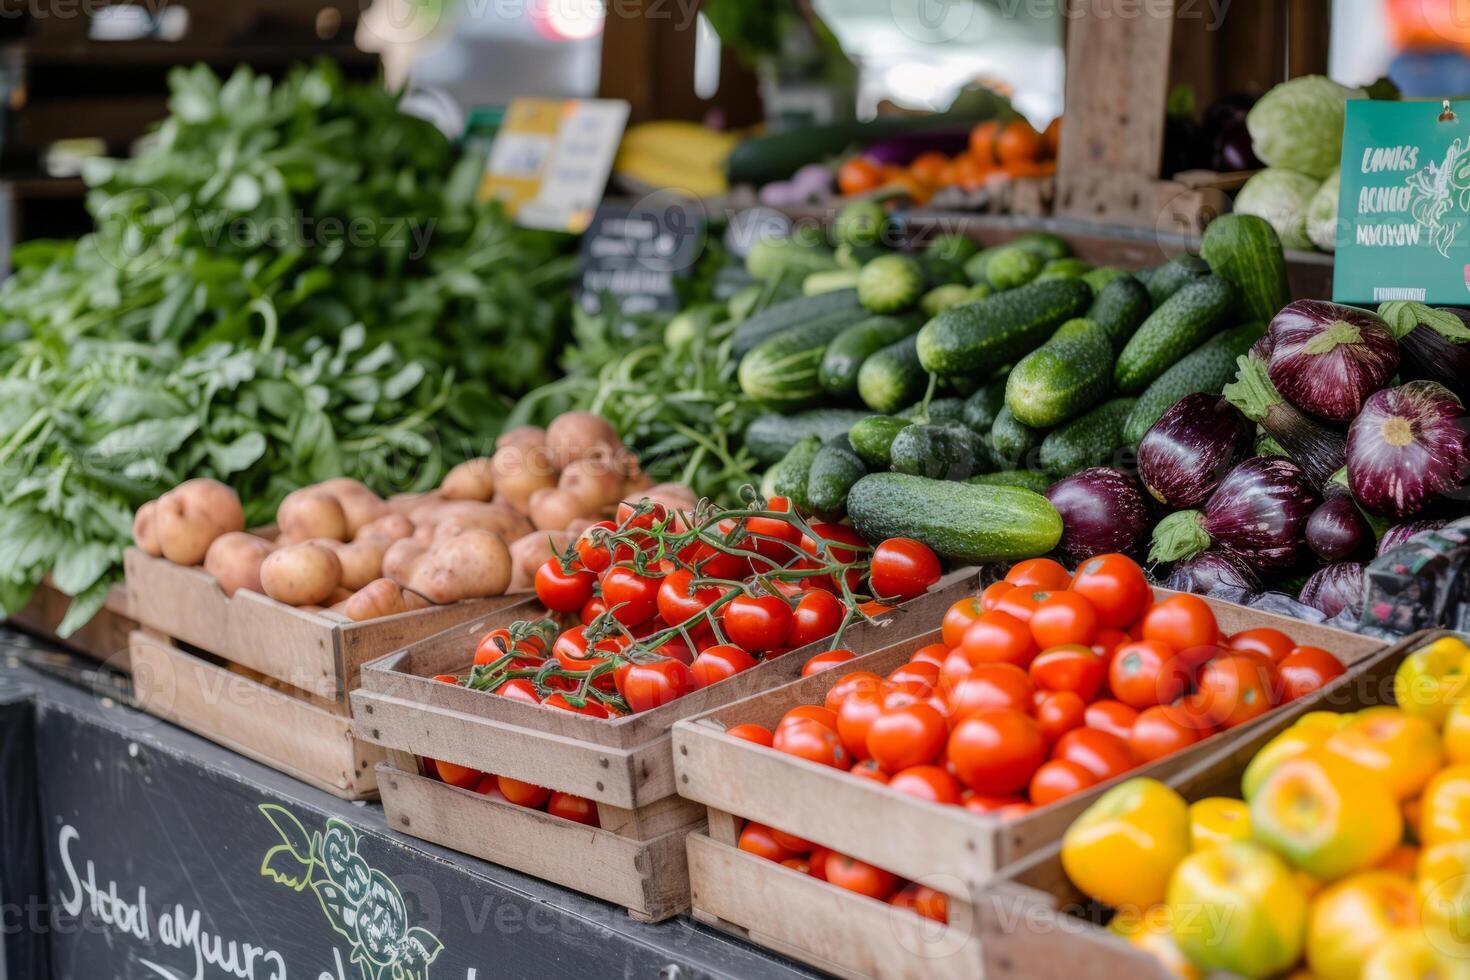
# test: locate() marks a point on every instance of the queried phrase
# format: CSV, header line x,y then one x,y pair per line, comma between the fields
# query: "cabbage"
x,y
1322,214
1298,124
1281,197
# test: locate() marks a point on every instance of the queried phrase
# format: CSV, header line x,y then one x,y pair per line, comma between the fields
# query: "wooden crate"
x,y
945,847
1024,922
103,638
623,765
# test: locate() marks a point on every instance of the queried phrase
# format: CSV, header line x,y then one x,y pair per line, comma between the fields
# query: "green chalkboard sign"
x,y
1403,229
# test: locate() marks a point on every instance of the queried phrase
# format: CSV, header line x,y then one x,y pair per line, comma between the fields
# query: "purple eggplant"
x,y
1102,510
1434,345
1401,533
1407,447
1182,458
1316,448
1258,514
1334,588
1336,531
902,150
1327,359
1214,573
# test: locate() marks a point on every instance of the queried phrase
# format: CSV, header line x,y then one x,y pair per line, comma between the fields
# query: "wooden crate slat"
x,y
104,637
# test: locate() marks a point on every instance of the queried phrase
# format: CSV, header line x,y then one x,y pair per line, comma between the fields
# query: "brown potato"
x,y
553,510
522,437
340,595
575,435
521,472
192,515
310,513
470,565
234,559
400,558
412,601
301,574
474,479
406,503
501,518
594,480
675,496
360,505
145,529
380,597
636,483
389,527
362,561
530,552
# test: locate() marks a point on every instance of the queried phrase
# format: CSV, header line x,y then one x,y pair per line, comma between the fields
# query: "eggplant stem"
x,y
1179,536
1339,333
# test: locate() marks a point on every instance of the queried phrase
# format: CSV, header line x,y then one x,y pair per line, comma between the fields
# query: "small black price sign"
x,y
638,252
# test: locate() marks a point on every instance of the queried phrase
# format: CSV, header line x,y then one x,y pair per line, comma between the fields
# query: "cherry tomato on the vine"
x,y
758,623
648,685
817,615
631,598
680,602
592,548
903,569
716,663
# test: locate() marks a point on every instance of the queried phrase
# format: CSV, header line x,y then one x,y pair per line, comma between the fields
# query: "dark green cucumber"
x,y
1012,441
952,247
1013,267
835,468
788,477
1033,480
838,372
782,371
1068,268
1184,322
1245,250
940,451
771,436
1099,278
1209,367
1174,275
941,298
839,306
1090,440
860,223
986,335
983,406
978,265
1043,244
1120,309
1062,378
893,377
872,439
831,281
960,521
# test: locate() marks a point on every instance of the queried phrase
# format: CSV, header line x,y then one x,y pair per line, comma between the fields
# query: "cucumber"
x,y
1099,278
1068,268
782,371
838,371
1174,275
773,258
1062,378
979,290
960,521
860,223
771,436
1209,367
854,257
872,439
1013,442
890,284
830,281
977,266
939,410
1091,440
1246,251
1179,326
842,305
983,406
1033,480
1043,244
1120,309
893,377
952,247
984,336
940,451
1012,268
742,304
835,468
941,298
788,477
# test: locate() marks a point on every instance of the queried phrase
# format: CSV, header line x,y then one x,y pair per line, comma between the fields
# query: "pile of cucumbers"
x,y
938,394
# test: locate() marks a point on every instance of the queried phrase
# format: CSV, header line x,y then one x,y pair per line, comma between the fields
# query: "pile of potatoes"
x,y
483,532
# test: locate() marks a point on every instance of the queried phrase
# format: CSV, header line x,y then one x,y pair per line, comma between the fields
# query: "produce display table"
x,y
133,849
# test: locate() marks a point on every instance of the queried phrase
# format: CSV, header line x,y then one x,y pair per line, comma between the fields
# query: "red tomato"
x,y
851,682
592,708
1058,779
1101,753
957,620
934,654
631,598
996,751
810,740
592,550
990,686
462,776
522,793
1107,641
791,842
1181,622
1162,730
1020,603
648,685
993,593
679,602
1115,586
927,783
854,875
999,806
1146,673
818,861
1059,713
572,651
1113,717
575,808
826,660
825,548
489,785
918,679
774,537
906,735
903,569
1265,640
751,732
1236,688
1194,711
519,689
997,637
817,616
675,648
719,662
1062,618
757,839
591,609
1039,574
812,712
868,769
758,623
922,900
1306,669
1072,668
563,590
856,716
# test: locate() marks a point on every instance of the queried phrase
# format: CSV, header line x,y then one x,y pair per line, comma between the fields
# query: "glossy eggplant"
x,y
1401,533
1183,456
1335,588
1407,448
1327,359
1317,448
1336,531
1434,345
1103,510
1258,514
1214,573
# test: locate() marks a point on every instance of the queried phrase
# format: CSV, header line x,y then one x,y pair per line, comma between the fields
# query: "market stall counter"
x,y
133,849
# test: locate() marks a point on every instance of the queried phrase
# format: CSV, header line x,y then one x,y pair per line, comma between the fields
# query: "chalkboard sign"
x,y
638,252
